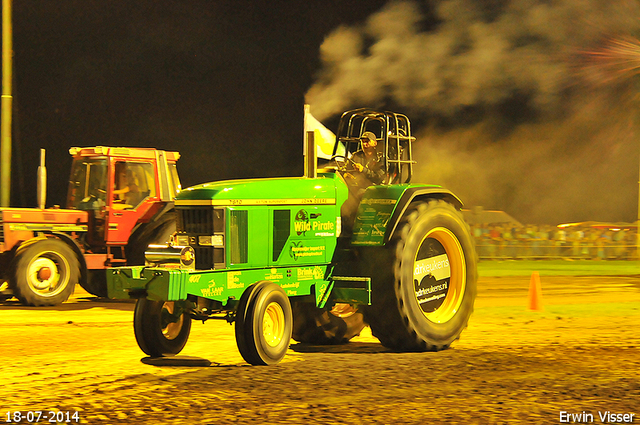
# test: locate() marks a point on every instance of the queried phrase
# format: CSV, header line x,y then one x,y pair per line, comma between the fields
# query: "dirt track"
x,y
582,354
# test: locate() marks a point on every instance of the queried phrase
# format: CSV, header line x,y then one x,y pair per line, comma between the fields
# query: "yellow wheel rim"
x,y
343,310
172,329
54,280
273,324
448,272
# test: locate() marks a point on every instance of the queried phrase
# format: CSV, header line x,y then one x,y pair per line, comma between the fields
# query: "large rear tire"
x,y
155,232
263,324
159,332
424,296
96,283
313,325
45,273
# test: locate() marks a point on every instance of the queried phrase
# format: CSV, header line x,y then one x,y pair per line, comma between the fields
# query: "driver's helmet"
x,y
368,139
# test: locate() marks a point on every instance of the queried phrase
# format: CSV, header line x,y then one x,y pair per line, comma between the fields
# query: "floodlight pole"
x,y
7,101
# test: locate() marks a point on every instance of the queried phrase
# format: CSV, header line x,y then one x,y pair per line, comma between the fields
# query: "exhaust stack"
x,y
42,182
310,156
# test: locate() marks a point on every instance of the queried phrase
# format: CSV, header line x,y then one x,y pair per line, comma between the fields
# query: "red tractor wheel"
x,y
45,273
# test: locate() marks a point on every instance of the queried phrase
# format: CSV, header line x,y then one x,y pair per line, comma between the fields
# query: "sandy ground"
x,y
581,355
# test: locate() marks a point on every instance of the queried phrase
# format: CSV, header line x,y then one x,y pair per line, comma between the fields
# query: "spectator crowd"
x,y
506,241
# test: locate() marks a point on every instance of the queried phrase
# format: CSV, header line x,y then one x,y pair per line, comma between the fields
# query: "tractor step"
x,y
351,289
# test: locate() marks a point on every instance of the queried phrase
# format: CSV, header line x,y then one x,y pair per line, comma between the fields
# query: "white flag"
x,y
324,138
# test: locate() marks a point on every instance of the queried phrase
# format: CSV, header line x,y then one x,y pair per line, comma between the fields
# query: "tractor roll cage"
x,y
393,130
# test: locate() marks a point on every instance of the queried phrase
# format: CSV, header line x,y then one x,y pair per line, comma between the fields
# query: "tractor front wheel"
x,y
161,327
45,273
263,324
424,296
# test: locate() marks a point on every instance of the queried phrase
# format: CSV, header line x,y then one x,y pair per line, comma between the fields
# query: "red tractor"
x,y
120,200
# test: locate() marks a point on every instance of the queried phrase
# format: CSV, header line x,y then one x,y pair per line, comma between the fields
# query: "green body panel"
x,y
159,284
376,208
312,207
299,261
283,230
265,191
223,285
220,285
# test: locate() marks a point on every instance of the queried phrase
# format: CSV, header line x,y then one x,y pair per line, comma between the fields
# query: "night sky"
x,y
511,107
222,82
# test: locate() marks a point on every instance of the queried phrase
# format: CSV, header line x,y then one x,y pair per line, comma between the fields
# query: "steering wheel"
x,y
349,169
88,203
345,165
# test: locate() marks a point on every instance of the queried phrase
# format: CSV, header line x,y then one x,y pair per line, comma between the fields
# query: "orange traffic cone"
x,y
535,293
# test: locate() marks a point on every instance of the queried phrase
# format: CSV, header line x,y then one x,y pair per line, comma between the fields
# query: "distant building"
x,y
478,215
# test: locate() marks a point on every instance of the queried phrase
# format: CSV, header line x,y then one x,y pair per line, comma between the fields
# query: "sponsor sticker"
x,y
233,280
431,281
437,266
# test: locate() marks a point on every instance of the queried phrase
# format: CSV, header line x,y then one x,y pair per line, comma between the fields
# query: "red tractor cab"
x,y
120,200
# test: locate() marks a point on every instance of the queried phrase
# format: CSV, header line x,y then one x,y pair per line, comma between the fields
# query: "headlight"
x,y
214,240
182,240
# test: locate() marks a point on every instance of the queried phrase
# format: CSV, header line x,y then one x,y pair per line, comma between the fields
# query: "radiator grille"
x,y
196,221
203,221
207,257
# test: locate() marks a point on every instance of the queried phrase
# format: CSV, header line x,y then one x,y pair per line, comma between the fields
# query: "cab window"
x,y
134,182
174,180
88,184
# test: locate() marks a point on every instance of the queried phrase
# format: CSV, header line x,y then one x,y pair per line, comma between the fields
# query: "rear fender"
x,y
146,232
82,279
416,194
382,207
154,214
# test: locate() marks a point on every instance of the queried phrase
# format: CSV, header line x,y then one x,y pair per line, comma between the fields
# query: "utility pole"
x,y
7,101
638,221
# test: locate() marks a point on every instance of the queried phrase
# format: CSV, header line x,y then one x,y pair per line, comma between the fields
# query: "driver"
x,y
127,190
368,169
368,161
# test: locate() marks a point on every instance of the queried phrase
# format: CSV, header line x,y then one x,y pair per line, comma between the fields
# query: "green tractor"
x,y
314,258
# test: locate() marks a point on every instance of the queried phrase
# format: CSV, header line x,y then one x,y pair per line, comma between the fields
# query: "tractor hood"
x,y
265,191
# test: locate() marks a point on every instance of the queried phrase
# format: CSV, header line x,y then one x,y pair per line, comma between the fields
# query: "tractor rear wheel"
x,y
96,283
157,231
424,298
313,325
263,324
45,273
160,329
